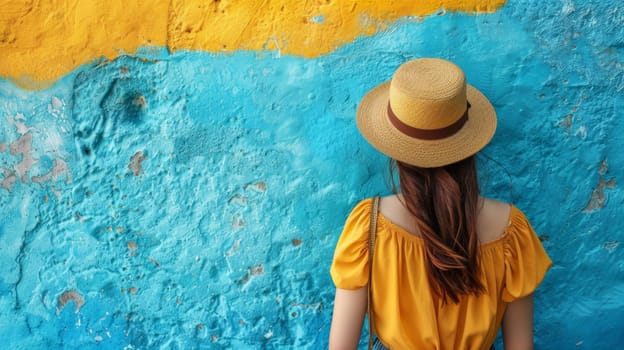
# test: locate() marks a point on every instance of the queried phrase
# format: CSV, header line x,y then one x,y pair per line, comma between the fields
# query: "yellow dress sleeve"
x,y
349,268
526,261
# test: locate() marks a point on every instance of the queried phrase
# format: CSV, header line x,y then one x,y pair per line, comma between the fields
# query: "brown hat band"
x,y
428,134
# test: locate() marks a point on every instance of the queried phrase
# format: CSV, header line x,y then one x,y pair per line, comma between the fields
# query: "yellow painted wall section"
x,y
43,40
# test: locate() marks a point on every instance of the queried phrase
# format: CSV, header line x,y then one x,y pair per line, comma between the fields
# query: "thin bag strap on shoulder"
x,y
372,230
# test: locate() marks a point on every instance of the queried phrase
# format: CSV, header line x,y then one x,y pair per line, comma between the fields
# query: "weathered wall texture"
x,y
68,33
182,199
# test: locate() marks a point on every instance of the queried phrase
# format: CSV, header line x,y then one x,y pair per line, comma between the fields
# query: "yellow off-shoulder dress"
x,y
407,314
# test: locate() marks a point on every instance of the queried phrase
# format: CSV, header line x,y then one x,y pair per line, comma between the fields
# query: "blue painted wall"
x,y
193,200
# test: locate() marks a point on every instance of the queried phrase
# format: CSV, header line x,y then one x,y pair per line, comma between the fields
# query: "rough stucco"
x,y
192,200
69,33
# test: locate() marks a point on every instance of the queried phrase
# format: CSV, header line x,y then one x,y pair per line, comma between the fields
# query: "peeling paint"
x,y
610,246
73,296
59,167
581,132
9,179
598,198
603,167
18,124
23,147
258,186
253,271
234,248
56,104
239,200
131,245
237,223
566,122
154,261
135,163
24,155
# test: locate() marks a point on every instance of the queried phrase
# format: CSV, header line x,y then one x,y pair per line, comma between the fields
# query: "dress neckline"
x,y
394,228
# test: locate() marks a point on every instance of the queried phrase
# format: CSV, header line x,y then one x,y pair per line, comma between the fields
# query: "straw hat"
x,y
427,115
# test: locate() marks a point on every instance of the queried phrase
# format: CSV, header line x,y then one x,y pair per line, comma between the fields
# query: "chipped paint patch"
x,y
70,296
566,122
24,156
154,262
23,147
132,246
252,272
59,167
234,248
9,179
598,198
603,167
239,200
610,246
18,123
258,186
237,222
135,163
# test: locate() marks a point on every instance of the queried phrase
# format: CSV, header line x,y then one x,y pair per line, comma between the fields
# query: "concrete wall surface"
x,y
176,176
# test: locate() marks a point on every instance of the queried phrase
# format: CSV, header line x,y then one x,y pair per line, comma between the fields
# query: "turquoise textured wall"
x,y
193,200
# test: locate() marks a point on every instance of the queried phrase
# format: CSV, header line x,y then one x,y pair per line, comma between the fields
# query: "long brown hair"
x,y
445,202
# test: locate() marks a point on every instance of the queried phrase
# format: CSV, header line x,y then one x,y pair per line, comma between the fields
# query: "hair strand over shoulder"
x,y
445,203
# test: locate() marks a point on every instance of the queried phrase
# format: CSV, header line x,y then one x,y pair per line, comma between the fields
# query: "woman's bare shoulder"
x,y
493,219
494,204
393,209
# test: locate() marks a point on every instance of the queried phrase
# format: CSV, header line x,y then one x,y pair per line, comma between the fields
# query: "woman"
x,y
449,267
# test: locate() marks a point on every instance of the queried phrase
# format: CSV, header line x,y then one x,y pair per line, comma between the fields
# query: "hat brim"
x,y
373,123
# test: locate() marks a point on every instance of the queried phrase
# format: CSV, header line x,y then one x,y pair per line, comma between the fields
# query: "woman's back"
x,y
407,312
